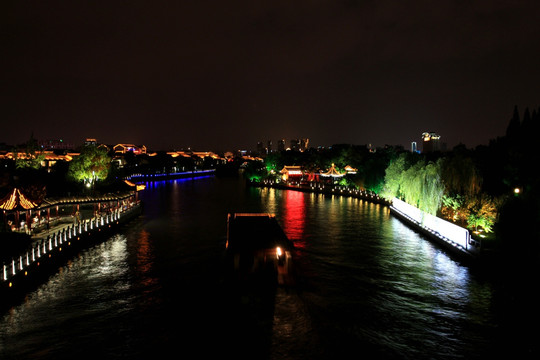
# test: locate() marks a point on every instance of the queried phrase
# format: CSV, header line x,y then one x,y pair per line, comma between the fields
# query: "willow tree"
x,y
416,182
91,165
393,177
411,184
432,188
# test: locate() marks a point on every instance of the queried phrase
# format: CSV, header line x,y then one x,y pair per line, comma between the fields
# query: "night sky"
x,y
223,75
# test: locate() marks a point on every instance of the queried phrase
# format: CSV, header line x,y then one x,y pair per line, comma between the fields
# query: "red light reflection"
x,y
145,259
294,213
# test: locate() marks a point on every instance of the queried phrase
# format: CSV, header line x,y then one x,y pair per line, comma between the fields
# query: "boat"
x,y
257,248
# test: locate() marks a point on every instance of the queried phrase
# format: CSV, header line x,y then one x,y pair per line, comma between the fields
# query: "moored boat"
x,y
258,248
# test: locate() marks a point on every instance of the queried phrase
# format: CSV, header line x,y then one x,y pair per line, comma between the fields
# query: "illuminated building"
x,y
197,156
124,148
350,170
175,154
48,160
204,154
333,173
431,142
414,147
291,173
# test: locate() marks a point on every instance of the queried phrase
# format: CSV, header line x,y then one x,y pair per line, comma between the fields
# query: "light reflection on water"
x,y
92,287
366,283
384,285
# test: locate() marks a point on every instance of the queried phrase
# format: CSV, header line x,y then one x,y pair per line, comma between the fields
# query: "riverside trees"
x,y
477,185
416,181
91,165
449,187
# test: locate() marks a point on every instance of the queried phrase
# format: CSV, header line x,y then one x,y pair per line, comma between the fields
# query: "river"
x,y
367,285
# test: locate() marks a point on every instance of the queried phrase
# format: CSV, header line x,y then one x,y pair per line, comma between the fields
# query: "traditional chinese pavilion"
x,y
332,172
291,173
16,201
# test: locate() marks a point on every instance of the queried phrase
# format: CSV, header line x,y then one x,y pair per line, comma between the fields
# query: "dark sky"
x,y
222,75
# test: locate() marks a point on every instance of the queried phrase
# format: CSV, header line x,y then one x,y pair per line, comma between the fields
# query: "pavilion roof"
x,y
290,168
349,169
16,200
332,172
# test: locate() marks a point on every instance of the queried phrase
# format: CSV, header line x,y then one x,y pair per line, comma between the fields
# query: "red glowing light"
x,y
294,217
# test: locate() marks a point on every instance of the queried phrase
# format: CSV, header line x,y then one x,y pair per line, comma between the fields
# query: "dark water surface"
x,y
367,285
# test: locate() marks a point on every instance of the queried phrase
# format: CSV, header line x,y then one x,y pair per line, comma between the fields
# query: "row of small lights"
x,y
436,233
342,189
55,241
169,174
339,188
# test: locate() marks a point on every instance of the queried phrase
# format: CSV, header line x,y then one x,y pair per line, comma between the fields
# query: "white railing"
x,y
445,230
55,241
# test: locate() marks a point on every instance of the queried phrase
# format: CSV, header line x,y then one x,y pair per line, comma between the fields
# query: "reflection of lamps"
x,y
138,187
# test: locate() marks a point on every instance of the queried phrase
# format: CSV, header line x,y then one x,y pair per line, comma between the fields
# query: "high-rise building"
x,y
281,145
304,144
430,142
299,144
414,148
260,148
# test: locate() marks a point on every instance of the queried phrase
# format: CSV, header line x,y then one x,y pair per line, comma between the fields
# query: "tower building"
x,y
430,142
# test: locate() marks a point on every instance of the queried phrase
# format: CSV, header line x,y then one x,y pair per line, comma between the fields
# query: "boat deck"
x,y
257,245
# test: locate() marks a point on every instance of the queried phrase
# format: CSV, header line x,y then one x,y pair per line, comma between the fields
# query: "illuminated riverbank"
x,y
452,237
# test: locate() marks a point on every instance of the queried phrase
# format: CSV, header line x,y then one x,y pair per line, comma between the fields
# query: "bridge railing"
x,y
50,245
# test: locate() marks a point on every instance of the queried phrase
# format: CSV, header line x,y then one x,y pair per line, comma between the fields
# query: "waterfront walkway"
x,y
325,189
51,244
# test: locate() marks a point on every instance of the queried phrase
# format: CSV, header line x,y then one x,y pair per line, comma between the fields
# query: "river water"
x,y
367,285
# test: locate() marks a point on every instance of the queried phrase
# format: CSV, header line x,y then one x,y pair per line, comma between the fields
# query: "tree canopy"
x,y
416,181
91,165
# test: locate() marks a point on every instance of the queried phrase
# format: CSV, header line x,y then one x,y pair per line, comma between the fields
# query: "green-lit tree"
x,y
90,166
432,188
393,177
416,182
454,208
482,212
255,170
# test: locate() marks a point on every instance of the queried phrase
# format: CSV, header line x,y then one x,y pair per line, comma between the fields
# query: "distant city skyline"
x,y
172,76
261,147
